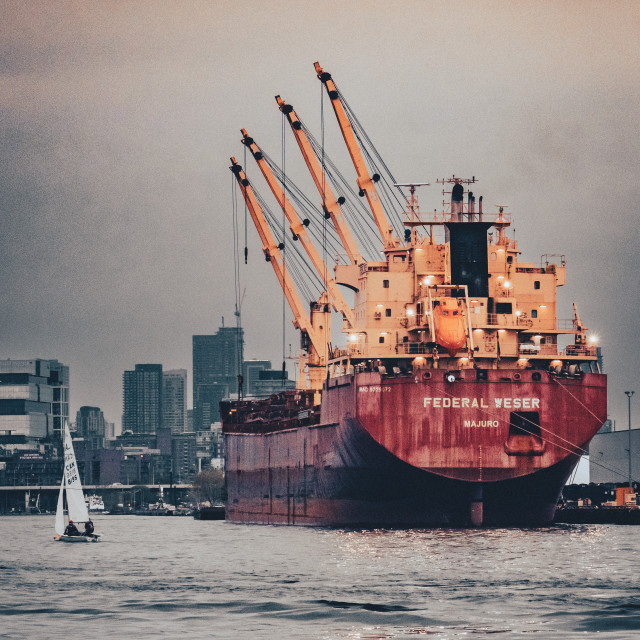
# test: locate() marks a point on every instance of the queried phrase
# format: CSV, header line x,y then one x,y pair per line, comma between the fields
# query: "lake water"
x,y
179,577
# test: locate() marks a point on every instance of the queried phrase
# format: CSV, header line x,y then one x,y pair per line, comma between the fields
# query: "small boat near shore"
x,y
216,512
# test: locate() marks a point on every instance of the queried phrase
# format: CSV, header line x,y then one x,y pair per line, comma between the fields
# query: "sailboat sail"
x,y
60,510
75,496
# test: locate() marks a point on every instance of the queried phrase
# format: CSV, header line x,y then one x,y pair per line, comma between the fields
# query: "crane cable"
x,y
284,244
302,203
365,143
360,215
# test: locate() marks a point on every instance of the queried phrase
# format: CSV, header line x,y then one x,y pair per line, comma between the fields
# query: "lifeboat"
x,y
449,325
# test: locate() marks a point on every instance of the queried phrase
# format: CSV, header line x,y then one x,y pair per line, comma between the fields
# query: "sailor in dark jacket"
x,y
71,529
88,529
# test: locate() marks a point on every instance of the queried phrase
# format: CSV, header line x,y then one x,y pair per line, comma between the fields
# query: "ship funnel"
x,y
457,196
468,252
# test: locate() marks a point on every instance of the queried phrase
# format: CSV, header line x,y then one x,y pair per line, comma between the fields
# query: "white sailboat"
x,y
76,505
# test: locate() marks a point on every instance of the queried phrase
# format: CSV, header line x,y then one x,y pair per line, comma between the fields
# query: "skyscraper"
x,y
142,399
217,362
90,425
174,400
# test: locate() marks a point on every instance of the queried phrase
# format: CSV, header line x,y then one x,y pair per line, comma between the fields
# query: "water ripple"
x,y
214,579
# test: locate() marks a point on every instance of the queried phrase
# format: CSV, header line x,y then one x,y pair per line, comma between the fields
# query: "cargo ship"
x,y
459,397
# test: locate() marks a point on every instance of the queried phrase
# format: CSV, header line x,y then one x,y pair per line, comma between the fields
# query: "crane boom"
x,y
329,201
274,256
299,231
365,182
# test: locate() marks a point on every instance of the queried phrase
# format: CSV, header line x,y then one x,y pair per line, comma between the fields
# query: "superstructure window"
x,y
504,307
381,339
536,284
534,313
387,312
385,284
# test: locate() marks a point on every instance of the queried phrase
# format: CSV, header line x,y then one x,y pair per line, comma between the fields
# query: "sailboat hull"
x,y
64,538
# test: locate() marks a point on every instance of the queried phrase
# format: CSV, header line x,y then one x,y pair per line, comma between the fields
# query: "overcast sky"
x,y
118,120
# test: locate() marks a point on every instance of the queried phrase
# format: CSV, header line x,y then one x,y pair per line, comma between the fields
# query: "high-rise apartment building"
x,y
184,457
91,426
174,400
217,362
142,399
34,397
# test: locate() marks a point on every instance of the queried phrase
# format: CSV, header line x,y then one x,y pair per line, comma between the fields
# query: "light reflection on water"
x,y
178,576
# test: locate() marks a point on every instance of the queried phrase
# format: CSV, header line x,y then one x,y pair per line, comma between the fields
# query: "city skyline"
x,y
118,239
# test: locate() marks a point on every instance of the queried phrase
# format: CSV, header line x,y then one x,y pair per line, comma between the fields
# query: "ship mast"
x,y
330,204
413,210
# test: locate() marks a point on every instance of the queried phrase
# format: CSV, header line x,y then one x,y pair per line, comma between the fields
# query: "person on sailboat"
x,y
71,529
88,529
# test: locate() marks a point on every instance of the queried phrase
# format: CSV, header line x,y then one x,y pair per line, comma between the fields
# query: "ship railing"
x,y
416,320
464,216
382,268
548,350
506,320
538,349
339,352
572,350
566,324
580,350
441,290
412,348
355,350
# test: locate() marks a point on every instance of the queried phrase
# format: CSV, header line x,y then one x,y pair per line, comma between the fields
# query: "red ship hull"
x,y
490,447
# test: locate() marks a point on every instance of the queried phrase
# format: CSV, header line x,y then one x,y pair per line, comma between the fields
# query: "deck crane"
x,y
365,182
299,231
330,204
314,330
581,330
